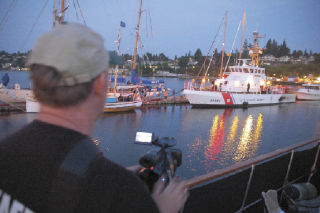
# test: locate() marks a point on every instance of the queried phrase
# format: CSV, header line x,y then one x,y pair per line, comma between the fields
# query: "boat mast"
x,y
255,51
243,20
117,66
60,16
62,11
54,13
137,37
224,39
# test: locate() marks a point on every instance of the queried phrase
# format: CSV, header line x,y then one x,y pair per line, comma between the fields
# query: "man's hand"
x,y
170,199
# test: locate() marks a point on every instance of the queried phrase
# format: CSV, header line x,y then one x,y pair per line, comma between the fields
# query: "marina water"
x,y
210,139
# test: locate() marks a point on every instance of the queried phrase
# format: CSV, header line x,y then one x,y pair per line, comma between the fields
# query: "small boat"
x,y
310,92
122,102
115,103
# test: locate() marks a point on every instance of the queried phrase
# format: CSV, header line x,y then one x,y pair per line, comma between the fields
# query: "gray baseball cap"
x,y
74,50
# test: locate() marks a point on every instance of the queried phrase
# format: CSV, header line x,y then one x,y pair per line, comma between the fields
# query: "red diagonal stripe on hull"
x,y
227,98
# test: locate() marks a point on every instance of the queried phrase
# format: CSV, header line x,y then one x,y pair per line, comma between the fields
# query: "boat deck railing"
x,y
220,173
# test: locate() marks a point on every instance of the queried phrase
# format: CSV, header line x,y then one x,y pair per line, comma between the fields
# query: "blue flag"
x,y
5,79
122,24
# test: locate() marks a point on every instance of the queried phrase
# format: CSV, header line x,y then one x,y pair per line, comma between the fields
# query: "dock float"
x,y
163,101
17,107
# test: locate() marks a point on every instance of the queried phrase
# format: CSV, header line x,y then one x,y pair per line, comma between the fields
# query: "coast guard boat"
x,y
241,85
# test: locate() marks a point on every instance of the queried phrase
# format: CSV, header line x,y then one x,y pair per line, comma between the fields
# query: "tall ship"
x,y
241,85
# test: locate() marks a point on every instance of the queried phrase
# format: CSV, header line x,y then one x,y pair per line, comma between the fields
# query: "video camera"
x,y
160,162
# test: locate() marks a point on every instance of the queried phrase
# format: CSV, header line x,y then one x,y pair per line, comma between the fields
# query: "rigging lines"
x,y
34,24
5,18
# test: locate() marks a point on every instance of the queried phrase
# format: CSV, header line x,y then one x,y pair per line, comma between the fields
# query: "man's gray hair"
x,y
47,90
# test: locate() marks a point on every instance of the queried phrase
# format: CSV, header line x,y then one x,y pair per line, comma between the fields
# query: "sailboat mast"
x,y
117,66
118,41
224,40
137,37
243,20
54,13
62,11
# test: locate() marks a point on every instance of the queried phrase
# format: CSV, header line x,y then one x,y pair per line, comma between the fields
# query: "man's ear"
x,y
100,84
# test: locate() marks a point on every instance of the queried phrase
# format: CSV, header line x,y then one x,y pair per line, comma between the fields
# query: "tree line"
x,y
183,66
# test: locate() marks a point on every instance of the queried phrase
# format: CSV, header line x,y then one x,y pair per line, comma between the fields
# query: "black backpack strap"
x,y
67,188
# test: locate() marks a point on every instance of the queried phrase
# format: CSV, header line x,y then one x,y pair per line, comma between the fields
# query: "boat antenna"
x,y
137,37
255,51
223,44
243,21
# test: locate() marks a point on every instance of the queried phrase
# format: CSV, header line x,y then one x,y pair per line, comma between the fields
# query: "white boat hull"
x,y
288,98
224,99
32,105
308,96
122,106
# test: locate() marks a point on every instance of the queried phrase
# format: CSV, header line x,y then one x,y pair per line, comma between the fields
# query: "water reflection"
x,y
249,138
233,130
234,135
216,140
195,155
258,130
245,138
230,144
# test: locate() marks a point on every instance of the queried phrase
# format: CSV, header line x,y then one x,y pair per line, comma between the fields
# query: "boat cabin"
x,y
243,78
311,86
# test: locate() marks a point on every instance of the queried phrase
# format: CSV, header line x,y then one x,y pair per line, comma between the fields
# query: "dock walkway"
x,y
17,107
165,101
21,107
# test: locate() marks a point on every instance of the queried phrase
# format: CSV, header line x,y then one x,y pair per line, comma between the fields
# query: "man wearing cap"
x,y
69,74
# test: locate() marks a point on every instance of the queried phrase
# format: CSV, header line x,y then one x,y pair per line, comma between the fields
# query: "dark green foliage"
x,y
294,69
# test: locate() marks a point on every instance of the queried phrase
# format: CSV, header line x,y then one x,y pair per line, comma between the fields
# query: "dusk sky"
x,y
172,27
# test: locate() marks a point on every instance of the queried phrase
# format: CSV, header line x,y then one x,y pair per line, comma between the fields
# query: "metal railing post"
x,y
314,164
248,187
288,171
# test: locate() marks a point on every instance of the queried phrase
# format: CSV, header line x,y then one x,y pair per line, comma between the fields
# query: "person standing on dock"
x,y
52,164
166,93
